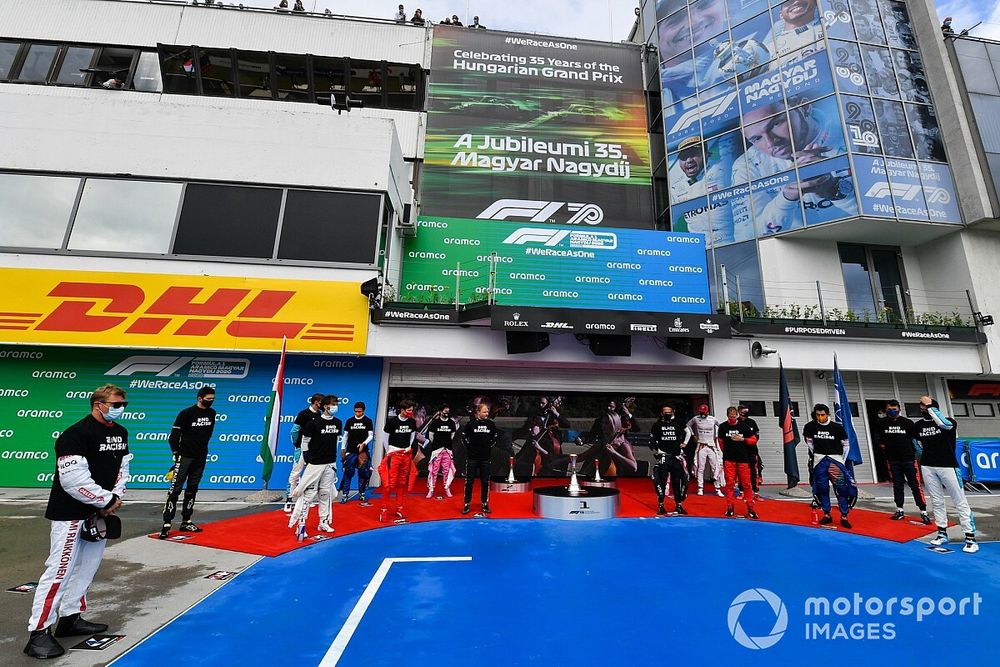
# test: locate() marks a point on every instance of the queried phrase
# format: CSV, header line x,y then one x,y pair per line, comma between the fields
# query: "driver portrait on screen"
x,y
771,148
796,25
687,174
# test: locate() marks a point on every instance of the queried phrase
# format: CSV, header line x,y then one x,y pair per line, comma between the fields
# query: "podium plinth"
x,y
593,503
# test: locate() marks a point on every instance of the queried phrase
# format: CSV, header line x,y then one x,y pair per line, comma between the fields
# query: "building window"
x,y
367,79
292,74
913,410
872,275
983,410
330,227
217,72
75,66
36,210
37,63
960,409
757,408
402,84
776,406
125,216
228,221
147,73
8,51
254,72
112,64
330,77
179,66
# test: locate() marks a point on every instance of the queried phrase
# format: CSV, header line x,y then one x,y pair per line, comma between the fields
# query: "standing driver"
x,y
92,460
189,443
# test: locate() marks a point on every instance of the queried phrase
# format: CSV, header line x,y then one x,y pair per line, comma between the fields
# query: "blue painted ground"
x,y
629,591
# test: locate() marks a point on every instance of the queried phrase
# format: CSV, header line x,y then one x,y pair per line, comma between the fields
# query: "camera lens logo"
x,y
777,608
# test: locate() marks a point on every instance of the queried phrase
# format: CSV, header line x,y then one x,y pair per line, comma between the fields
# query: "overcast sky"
x,y
608,20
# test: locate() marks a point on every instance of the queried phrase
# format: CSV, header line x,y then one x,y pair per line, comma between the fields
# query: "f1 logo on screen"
x,y
542,211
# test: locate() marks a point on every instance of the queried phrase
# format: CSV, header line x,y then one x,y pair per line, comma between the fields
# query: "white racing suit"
x,y
317,479
72,561
706,430
941,481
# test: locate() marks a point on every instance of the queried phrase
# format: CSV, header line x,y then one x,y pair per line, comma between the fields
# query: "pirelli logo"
x,y
198,311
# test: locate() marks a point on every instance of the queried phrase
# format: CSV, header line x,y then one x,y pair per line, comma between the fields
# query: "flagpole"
x,y
272,424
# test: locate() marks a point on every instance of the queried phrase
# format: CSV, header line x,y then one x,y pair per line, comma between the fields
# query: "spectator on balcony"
x,y
400,16
114,83
418,18
282,6
446,21
455,20
476,24
299,7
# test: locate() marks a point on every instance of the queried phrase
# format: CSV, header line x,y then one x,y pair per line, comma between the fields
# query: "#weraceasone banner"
x,y
174,311
534,128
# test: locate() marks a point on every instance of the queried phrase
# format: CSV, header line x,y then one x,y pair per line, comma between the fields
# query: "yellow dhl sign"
x,y
173,311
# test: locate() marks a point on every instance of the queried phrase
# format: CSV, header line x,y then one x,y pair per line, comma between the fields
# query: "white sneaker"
x,y
326,528
940,540
430,494
701,492
970,547
719,493
289,506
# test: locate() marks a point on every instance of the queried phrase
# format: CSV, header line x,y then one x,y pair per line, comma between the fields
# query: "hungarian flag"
x,y
273,419
842,414
789,429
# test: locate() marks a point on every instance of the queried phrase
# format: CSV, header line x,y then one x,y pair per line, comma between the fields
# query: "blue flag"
x,y
842,414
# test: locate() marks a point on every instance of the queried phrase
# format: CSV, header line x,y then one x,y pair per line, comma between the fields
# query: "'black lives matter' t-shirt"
x,y
104,447
324,440
896,435
400,431
668,436
357,432
191,432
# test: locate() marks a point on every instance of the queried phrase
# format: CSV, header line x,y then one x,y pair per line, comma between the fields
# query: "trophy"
x,y
597,472
510,473
574,483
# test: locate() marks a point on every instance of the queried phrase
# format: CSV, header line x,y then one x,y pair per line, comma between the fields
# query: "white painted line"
x,y
339,644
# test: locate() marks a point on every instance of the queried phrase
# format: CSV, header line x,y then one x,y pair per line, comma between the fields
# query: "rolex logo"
x,y
517,316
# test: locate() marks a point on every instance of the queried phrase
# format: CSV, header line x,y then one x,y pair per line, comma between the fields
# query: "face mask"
x,y
732,420
333,409
744,415
114,414
207,402
892,413
823,420
445,415
328,414
668,416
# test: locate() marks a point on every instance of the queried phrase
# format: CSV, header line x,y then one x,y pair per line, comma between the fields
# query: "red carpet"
x,y
267,533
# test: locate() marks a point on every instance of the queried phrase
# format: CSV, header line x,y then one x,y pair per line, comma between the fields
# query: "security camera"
x,y
757,350
820,375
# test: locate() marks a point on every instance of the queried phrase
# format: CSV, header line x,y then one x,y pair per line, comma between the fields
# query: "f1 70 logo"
x,y
206,367
905,192
542,211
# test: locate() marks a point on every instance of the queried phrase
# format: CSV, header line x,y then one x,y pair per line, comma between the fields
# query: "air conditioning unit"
x,y
407,223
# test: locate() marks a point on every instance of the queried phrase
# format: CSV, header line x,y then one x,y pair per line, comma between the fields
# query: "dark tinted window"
x,y
228,221
292,78
776,406
402,87
330,227
217,72
367,82
112,64
757,408
8,50
254,71
178,67
329,77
